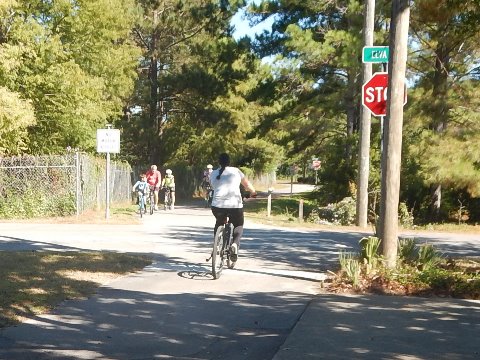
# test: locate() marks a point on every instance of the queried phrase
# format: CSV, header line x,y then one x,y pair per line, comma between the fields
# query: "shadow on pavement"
x,y
385,327
118,324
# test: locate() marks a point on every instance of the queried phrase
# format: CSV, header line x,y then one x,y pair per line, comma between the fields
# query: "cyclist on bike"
x,y
206,186
141,187
227,199
169,182
154,179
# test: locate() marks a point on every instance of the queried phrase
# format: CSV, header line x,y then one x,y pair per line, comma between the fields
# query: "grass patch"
x,y
120,214
33,283
285,209
449,227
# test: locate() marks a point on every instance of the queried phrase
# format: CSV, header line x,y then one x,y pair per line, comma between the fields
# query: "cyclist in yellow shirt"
x,y
168,181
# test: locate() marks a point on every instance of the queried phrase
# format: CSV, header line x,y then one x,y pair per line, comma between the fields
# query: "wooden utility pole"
x,y
365,124
391,161
154,116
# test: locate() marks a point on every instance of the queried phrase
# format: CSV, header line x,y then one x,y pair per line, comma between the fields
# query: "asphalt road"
x,y
174,309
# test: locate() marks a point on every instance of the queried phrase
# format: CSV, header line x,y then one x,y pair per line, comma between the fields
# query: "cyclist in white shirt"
x,y
227,199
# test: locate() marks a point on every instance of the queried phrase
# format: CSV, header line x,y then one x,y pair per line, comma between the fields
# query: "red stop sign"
x,y
374,94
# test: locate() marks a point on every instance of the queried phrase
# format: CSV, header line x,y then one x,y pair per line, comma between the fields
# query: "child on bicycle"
x,y
169,182
141,187
227,199
206,186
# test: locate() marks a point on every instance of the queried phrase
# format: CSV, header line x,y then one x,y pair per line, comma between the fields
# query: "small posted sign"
x,y
108,140
375,54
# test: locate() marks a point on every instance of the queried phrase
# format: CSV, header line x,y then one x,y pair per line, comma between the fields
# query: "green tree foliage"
x,y
16,115
170,75
196,95
72,61
180,75
443,124
316,48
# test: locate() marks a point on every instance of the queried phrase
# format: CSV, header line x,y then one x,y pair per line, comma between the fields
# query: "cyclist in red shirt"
x,y
154,180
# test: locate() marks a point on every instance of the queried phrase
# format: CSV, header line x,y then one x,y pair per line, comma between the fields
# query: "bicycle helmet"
x,y
168,172
209,166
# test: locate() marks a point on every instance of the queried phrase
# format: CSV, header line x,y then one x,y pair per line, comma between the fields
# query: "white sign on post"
x,y
108,140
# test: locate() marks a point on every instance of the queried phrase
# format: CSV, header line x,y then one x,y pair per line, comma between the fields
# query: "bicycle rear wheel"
x,y
167,200
217,253
152,204
229,233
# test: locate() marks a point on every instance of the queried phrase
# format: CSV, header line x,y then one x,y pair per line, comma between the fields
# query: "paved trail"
x,y
174,309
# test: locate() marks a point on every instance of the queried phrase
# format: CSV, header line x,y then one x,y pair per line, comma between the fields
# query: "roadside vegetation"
x,y
180,100
421,269
34,282
119,214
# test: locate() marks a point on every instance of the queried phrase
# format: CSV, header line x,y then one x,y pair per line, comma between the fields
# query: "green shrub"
x,y
369,252
340,213
457,284
405,217
428,257
421,271
344,256
34,203
408,251
350,266
352,270
423,257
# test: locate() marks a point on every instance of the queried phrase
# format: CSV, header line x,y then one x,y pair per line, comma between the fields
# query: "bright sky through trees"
x,y
242,27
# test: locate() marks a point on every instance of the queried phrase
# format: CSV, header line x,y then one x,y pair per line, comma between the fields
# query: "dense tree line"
x,y
171,76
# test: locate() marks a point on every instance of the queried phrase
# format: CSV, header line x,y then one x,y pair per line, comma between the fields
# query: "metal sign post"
x,y
108,141
316,166
293,171
107,187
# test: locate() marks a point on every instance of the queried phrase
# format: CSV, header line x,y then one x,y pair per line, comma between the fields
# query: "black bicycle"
x,y
208,195
151,198
141,198
221,248
168,198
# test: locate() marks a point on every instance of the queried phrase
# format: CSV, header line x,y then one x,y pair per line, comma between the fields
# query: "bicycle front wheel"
x,y
166,203
141,206
152,204
217,253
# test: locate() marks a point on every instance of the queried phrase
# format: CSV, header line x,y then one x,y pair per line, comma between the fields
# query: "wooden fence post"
x,y
300,211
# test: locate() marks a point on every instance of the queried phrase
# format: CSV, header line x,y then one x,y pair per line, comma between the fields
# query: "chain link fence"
x,y
59,185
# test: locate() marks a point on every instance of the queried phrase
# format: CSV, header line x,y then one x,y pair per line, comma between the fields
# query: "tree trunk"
x,y
351,119
391,161
440,113
365,125
436,201
153,78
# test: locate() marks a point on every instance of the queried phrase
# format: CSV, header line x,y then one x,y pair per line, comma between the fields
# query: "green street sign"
x,y
375,54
